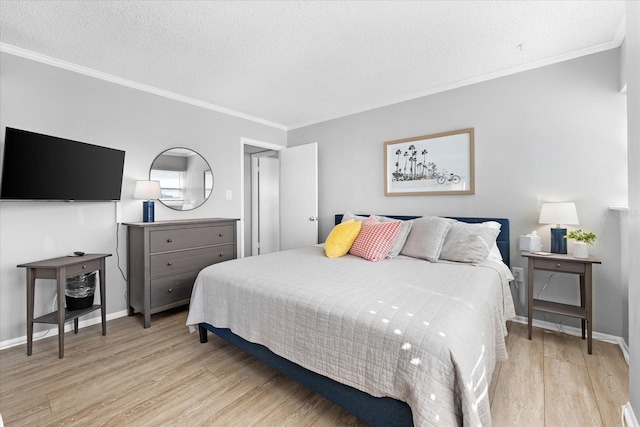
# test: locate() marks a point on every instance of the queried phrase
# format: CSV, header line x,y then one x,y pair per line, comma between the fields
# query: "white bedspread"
x,y
428,334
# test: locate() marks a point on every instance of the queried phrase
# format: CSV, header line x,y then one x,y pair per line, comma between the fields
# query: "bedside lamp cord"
x,y
558,325
118,259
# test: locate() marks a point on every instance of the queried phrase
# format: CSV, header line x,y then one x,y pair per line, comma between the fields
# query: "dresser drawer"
x,y
562,266
171,289
84,268
181,261
185,238
223,253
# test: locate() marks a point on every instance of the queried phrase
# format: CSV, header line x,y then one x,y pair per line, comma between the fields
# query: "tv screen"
x,y
42,167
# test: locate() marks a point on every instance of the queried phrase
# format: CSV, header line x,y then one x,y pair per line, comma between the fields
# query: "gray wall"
x,y
556,133
50,100
633,104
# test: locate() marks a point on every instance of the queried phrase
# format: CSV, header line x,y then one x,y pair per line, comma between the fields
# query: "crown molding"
x,y
620,33
613,44
34,56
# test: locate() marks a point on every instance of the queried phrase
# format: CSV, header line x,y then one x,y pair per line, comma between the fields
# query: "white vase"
x,y
580,250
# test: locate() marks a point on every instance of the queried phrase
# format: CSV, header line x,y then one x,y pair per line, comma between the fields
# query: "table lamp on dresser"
x,y
149,191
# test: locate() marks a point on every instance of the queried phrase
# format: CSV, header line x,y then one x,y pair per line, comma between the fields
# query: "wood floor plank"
x,y
47,370
609,376
65,375
300,408
519,395
563,347
569,384
105,386
163,376
26,410
252,406
137,405
200,405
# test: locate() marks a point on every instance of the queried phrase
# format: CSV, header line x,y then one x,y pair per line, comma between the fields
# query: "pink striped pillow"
x,y
375,239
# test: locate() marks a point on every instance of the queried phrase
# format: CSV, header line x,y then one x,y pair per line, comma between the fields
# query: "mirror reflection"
x,y
185,178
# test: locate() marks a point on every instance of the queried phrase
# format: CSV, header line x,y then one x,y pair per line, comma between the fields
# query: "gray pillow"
x,y
426,237
469,243
348,215
401,238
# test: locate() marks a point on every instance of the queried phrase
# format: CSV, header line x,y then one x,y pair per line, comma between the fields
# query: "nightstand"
x,y
564,264
61,269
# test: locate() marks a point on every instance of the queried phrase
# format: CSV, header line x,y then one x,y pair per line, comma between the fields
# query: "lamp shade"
x,y
558,213
148,190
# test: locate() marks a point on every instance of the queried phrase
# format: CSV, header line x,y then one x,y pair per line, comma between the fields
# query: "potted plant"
x,y
582,238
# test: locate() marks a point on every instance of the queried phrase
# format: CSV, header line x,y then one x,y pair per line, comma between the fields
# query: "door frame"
x,y
243,143
256,182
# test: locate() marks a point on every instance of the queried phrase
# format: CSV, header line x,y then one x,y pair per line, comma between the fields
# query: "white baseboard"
x,y
54,330
570,330
629,417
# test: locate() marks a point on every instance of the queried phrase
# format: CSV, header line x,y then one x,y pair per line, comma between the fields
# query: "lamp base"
x,y
148,211
558,242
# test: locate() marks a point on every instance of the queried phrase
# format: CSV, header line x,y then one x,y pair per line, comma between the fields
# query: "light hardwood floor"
x,y
164,376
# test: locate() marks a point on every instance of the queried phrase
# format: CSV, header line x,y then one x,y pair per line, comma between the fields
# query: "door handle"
x,y
313,218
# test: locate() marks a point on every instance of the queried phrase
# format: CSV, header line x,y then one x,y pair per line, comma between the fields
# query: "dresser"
x,y
165,257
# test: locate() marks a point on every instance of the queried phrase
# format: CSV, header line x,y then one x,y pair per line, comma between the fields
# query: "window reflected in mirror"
x,y
186,179
208,183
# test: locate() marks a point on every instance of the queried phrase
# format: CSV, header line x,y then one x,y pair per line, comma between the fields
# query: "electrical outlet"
x,y
518,273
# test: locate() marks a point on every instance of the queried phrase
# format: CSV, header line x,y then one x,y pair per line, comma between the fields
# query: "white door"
x,y
265,236
299,196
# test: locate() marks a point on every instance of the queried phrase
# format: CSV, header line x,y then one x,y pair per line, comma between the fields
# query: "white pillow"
x,y
426,237
348,215
495,252
470,243
402,235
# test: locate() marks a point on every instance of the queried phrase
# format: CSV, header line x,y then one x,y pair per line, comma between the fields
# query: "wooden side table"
x,y
564,264
61,269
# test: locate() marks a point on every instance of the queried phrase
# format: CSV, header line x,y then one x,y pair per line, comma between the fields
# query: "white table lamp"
x,y
560,214
148,190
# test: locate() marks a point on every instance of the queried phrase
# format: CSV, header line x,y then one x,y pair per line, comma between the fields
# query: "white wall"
x,y
632,64
50,100
557,132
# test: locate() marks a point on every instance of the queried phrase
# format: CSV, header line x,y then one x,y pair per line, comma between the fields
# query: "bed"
x,y
397,343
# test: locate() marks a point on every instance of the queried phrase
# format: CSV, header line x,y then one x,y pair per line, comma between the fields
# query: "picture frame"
x,y
436,164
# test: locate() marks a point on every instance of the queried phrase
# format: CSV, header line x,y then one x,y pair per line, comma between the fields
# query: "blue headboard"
x,y
502,241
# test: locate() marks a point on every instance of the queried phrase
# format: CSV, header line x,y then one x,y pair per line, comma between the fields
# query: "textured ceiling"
x,y
295,63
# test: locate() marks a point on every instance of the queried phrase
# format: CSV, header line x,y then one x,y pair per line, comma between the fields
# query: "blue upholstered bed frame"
x,y
377,411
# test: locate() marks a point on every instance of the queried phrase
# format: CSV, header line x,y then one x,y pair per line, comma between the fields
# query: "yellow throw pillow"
x,y
341,238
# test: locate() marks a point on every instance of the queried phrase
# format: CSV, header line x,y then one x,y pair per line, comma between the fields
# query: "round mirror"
x,y
185,178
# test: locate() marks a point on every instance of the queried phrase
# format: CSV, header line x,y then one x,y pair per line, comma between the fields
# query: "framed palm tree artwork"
x,y
441,163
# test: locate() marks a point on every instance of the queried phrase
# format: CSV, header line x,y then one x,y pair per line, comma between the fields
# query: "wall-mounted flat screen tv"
x,y
42,167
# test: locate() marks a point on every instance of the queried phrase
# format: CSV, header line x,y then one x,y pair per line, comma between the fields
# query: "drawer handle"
x,y
84,267
170,290
558,265
169,240
221,254
221,235
169,263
